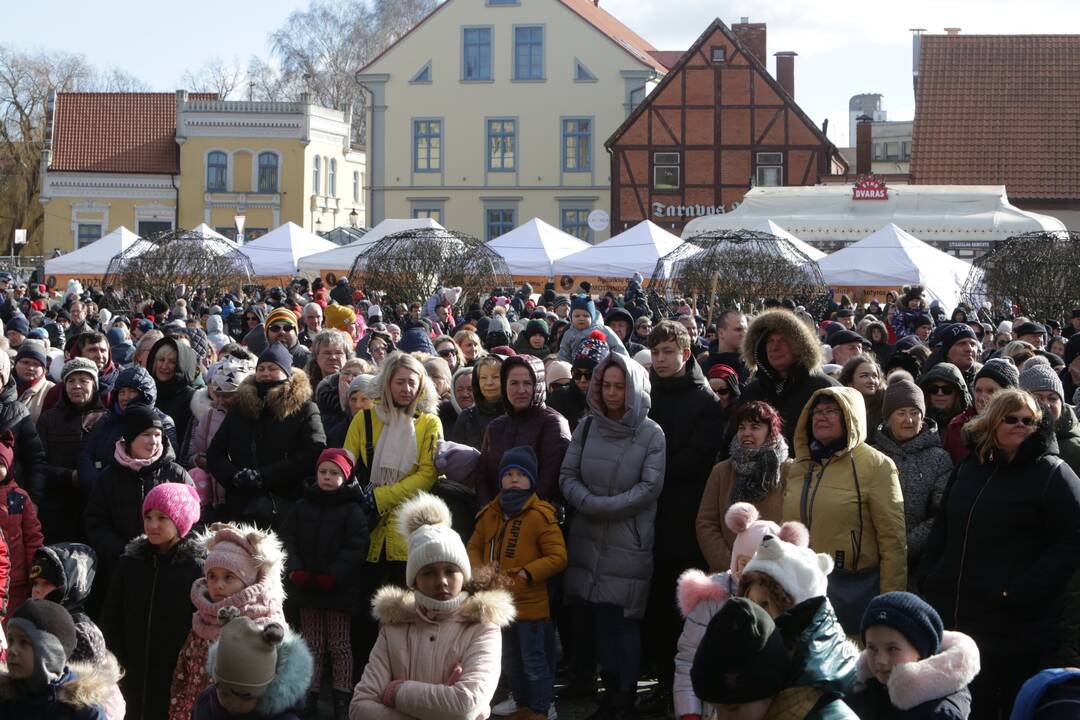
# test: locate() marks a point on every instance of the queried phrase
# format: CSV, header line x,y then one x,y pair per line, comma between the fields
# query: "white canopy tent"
x,y
768,226
342,258
635,250
278,251
891,258
532,248
204,229
92,259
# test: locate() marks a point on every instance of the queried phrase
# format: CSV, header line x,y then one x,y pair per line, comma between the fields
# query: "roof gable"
x,y
999,109
116,132
697,49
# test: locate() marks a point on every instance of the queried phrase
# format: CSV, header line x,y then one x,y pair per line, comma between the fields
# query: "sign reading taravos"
x,y
869,187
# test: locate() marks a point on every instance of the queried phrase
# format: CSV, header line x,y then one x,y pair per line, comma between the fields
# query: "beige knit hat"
x,y
244,658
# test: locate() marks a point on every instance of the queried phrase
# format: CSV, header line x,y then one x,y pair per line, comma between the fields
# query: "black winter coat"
x,y
569,402
30,468
1005,542
114,510
325,533
329,402
147,618
174,395
64,430
692,420
280,435
472,422
873,703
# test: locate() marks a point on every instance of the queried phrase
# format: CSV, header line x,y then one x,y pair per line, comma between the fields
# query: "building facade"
x,y
194,159
891,140
491,112
717,125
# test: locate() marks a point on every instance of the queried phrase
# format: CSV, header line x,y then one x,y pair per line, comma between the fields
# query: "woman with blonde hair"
x,y
1004,544
471,347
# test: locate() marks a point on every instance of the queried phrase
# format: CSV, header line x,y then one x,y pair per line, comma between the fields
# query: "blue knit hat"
x,y
19,324
909,615
583,302
522,458
279,355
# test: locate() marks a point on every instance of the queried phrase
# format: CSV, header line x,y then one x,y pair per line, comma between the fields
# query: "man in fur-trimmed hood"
x,y
786,359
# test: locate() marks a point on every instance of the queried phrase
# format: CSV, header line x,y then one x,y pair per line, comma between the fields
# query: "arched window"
x,y
268,172
316,175
331,178
217,165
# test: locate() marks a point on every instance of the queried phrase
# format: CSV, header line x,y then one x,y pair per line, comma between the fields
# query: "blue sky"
x,y
845,47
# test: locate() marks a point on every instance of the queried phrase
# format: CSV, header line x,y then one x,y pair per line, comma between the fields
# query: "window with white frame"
x,y
316,174
770,169
331,177
217,169
667,171
87,233
268,172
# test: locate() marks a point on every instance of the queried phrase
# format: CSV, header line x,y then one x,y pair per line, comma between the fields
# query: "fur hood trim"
x,y
397,606
187,549
292,678
804,344
281,402
84,685
695,587
265,547
200,404
937,676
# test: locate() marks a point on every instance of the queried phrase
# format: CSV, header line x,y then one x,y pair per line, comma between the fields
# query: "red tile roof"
x,y
667,58
611,26
116,132
999,109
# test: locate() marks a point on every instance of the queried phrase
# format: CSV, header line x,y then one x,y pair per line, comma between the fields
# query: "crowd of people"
x,y
276,504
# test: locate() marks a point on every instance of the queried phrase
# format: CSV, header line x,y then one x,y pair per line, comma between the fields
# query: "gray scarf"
x,y
757,470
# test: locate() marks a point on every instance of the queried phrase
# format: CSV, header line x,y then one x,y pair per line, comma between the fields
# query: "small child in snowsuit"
x,y
326,543
19,521
242,577
519,534
584,319
439,645
148,605
41,681
260,672
912,666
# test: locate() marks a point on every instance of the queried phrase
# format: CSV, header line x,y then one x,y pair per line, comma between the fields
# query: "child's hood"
x,y
397,606
292,678
937,676
264,546
78,563
82,684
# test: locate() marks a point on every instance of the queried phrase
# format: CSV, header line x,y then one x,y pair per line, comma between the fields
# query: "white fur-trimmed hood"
x,y
395,606
937,676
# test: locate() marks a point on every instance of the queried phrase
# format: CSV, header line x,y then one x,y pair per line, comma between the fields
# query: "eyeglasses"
x,y
582,374
941,390
825,412
1013,419
281,328
447,352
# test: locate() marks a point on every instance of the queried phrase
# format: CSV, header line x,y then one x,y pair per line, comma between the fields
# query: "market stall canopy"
x,y
532,248
768,226
342,258
635,250
278,251
891,258
204,229
92,259
829,213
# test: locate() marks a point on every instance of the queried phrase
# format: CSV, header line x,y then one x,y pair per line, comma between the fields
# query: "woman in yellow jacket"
x,y
848,495
394,445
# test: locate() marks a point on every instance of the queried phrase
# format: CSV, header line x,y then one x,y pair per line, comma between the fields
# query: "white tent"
x,y
891,258
342,258
204,229
634,250
278,251
92,259
533,247
768,226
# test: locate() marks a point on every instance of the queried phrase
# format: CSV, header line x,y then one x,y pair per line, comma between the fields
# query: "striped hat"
x,y
281,314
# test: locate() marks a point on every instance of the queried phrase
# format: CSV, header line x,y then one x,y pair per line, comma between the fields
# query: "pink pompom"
x,y
795,533
740,516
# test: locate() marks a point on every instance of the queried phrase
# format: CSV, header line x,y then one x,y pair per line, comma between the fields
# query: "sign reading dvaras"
x,y
869,187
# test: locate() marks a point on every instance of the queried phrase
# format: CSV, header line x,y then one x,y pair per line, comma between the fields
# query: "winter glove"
x,y
301,578
325,582
247,479
390,693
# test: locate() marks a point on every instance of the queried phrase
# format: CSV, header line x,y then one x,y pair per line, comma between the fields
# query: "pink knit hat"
x,y
742,518
231,551
179,502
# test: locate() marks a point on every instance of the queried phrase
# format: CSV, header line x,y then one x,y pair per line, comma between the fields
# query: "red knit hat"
x,y
342,458
719,371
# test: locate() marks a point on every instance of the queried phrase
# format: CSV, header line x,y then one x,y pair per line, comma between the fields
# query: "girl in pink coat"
x,y
242,576
440,645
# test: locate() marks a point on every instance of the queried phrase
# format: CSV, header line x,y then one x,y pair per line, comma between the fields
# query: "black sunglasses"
x,y
447,352
281,328
941,390
1013,419
583,374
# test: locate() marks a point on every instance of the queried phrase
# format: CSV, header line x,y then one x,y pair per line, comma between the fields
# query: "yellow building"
x,y
158,161
491,112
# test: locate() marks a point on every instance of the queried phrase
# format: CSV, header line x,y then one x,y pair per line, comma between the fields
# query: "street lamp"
x,y
353,218
238,220
318,226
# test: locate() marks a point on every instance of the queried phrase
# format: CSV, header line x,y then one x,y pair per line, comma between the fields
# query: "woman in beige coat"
x,y
439,650
753,473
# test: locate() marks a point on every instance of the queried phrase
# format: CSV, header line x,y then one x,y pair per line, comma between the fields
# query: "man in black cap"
x,y
846,317
845,345
956,343
922,326
1031,332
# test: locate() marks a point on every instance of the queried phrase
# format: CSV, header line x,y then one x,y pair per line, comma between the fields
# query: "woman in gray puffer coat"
x,y
912,441
611,477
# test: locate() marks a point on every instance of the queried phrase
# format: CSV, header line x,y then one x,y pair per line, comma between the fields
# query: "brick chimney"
x,y
864,145
752,36
785,71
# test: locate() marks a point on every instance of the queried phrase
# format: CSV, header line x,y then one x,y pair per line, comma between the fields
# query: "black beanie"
x,y
137,419
52,618
522,458
46,567
741,658
1072,349
278,354
909,615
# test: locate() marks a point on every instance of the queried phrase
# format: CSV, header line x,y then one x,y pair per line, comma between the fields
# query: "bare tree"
x,y
267,82
216,76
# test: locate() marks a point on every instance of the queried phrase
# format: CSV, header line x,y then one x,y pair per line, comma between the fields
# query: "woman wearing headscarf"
x,y
175,369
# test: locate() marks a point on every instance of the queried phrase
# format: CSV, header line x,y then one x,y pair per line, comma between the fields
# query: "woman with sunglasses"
x,y
447,348
996,375
1004,544
946,394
